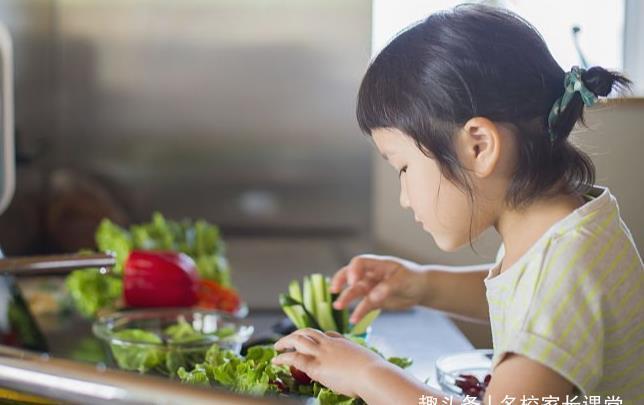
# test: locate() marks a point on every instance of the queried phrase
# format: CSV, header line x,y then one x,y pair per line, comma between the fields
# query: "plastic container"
x,y
154,348
475,362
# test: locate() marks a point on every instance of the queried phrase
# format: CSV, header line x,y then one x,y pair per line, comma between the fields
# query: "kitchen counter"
x,y
421,334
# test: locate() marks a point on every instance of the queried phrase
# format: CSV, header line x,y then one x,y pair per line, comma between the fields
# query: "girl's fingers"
x,y
295,359
357,290
360,267
355,271
364,307
333,333
313,334
297,341
338,280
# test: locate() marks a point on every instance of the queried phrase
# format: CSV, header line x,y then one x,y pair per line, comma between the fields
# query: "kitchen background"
x,y
242,112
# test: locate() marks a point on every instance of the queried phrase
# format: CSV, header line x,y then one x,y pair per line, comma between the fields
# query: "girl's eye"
x,y
403,170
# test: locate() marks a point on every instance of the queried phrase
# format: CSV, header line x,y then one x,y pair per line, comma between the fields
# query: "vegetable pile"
x,y
186,254
311,306
254,374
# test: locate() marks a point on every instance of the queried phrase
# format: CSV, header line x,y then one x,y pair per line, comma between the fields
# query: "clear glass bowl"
x,y
475,362
163,354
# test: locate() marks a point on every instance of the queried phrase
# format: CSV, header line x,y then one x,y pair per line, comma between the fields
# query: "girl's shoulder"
x,y
591,242
591,237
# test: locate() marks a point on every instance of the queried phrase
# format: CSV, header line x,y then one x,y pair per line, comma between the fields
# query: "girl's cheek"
x,y
450,217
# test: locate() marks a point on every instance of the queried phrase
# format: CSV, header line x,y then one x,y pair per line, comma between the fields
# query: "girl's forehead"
x,y
390,140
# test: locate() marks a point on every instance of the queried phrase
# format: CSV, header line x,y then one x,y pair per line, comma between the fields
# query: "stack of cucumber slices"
x,y
311,306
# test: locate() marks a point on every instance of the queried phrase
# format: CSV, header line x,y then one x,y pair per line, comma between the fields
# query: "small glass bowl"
x,y
167,357
475,362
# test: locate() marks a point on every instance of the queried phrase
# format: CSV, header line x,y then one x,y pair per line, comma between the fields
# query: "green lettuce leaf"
x,y
402,362
182,332
132,356
197,376
90,290
328,397
254,373
111,238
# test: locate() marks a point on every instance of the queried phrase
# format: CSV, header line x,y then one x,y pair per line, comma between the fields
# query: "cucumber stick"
x,y
318,283
287,301
325,316
306,318
340,316
311,306
295,291
294,316
361,327
308,297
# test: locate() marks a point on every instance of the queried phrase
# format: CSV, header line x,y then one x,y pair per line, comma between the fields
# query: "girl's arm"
x,y
515,377
387,384
457,290
393,283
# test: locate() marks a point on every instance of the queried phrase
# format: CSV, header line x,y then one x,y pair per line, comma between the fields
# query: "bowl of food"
x,y
465,374
161,340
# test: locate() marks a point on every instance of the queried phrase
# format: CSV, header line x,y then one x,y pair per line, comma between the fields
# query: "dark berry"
x,y
280,385
473,391
462,384
300,376
487,379
470,379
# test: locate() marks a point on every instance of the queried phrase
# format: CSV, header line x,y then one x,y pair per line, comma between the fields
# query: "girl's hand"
x,y
382,282
329,358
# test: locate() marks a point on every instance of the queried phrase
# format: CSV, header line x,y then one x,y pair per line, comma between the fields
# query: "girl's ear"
x,y
479,146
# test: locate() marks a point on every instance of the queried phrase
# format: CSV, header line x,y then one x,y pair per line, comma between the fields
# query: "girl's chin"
x,y
446,244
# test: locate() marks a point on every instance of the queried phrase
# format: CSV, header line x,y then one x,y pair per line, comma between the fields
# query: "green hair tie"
x,y
572,85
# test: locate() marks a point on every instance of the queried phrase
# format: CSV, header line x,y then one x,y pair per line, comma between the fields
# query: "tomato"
x,y
213,295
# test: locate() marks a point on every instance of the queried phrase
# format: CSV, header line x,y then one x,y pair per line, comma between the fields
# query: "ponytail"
x,y
582,87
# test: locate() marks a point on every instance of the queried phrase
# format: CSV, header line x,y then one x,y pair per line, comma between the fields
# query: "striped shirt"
x,y
574,302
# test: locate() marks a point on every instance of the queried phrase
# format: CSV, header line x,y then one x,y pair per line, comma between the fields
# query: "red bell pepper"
x,y
160,279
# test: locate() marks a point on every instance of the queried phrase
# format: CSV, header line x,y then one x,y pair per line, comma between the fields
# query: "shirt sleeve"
x,y
562,327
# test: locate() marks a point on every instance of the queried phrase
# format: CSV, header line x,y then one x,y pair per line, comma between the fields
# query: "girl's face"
x,y
443,210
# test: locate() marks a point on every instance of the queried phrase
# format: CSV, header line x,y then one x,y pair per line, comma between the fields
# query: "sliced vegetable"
x,y
295,291
312,307
308,297
325,316
361,327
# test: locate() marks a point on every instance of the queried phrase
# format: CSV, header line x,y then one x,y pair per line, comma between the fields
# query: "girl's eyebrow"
x,y
386,155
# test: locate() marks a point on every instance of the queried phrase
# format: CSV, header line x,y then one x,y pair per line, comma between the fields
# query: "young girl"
x,y
472,110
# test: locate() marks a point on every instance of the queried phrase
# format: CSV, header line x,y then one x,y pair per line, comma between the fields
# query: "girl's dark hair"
x,y
477,60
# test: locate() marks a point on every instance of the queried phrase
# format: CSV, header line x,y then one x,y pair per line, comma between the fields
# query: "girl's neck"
x,y
521,229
